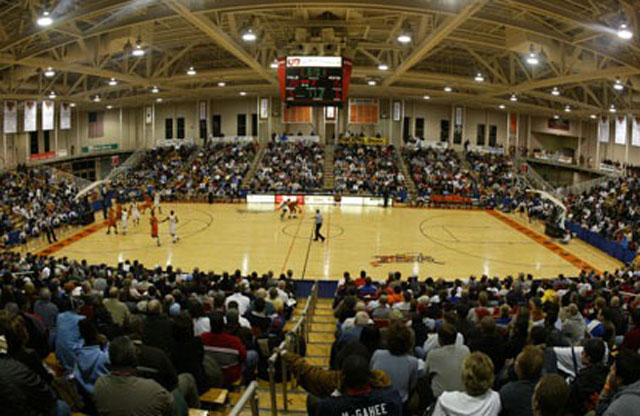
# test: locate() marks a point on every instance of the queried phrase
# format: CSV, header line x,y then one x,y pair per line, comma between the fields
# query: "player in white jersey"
x,y
156,202
135,214
125,221
173,226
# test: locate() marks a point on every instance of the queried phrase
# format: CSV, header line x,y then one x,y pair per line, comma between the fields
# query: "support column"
x,y
153,124
508,141
579,150
452,126
627,139
4,150
55,133
486,127
529,133
121,131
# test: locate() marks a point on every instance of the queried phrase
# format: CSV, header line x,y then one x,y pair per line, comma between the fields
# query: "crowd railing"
x,y
249,397
291,343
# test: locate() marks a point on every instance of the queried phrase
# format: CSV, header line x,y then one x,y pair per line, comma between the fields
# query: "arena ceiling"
x,y
91,42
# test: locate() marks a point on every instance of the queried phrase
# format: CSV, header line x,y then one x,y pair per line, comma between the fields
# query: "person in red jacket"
x,y
228,350
632,337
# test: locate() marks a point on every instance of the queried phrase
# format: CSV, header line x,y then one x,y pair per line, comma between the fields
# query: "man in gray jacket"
x,y
444,364
621,393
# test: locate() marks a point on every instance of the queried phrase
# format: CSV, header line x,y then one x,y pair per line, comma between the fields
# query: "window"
x,y
203,129
420,128
96,124
481,130
180,132
493,135
242,125
47,141
254,125
33,142
444,130
216,125
168,128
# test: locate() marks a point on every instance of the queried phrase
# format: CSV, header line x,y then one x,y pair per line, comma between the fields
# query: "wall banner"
x,y
603,130
48,111
65,116
635,131
10,116
30,115
621,130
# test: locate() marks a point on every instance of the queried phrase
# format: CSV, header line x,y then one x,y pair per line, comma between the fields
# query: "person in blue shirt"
x,y
68,338
92,359
369,289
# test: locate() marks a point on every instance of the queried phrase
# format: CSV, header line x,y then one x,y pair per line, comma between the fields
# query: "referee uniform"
x,y
318,220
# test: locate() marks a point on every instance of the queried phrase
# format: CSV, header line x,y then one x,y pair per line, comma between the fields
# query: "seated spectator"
x,y
586,387
382,310
122,392
550,396
188,351
444,363
516,396
397,361
227,349
360,397
478,399
632,337
157,327
92,359
621,392
489,342
260,322
68,337
118,310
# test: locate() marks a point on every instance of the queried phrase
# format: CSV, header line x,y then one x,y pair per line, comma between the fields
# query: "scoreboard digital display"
x,y
313,80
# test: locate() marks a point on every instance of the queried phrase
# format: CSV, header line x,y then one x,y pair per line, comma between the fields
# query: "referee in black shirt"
x,y
318,220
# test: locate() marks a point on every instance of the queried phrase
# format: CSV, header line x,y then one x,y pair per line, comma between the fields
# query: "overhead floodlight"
x,y
593,116
113,82
555,91
567,109
243,93
383,67
96,99
427,97
371,82
479,77
612,109
159,100
154,90
52,95
222,84
556,117
191,71
532,56
138,50
274,64
249,35
624,32
109,107
448,89
72,104
513,98
404,37
45,19
618,86
49,73
502,106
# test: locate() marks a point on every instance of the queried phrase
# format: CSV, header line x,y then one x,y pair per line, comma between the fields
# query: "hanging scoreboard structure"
x,y
314,80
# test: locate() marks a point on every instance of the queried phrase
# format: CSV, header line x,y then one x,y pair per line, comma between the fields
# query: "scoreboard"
x,y
313,80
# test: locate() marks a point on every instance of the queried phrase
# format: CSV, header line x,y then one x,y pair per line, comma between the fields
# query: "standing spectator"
x,y
478,399
68,337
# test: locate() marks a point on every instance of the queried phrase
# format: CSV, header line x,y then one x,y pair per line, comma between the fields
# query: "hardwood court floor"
x,y
427,242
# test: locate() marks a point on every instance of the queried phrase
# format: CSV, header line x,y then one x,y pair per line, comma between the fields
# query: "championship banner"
x,y
603,130
635,131
30,115
621,130
148,115
48,110
10,117
203,110
264,108
65,116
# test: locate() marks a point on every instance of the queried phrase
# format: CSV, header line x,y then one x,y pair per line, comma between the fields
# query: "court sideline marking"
x,y
54,248
544,241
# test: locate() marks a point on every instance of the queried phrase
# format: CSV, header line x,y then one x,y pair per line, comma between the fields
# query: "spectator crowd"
x,y
289,168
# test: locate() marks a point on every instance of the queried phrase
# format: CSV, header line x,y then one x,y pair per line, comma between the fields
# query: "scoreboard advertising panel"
x,y
314,80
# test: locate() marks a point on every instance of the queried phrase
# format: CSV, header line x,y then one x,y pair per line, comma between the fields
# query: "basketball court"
x,y
438,243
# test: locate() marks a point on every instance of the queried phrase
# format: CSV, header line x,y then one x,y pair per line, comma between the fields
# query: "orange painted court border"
x,y
84,233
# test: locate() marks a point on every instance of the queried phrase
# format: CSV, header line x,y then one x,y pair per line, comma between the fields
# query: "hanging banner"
x,y
65,116
635,131
603,130
459,116
621,130
30,115
203,110
264,108
10,117
148,115
397,111
48,110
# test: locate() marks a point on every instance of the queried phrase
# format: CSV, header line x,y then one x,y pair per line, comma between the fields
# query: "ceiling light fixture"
x,y
371,82
532,57
618,86
274,65
383,67
138,50
72,104
49,72
249,36
109,107
567,109
243,93
222,84
45,20
593,116
113,82
191,71
404,37
502,106
427,97
96,99
52,95
159,100
479,77
612,109
555,91
154,90
624,32
448,89
556,117
513,98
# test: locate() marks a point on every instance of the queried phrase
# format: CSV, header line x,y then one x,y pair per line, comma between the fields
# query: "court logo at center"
x,y
404,258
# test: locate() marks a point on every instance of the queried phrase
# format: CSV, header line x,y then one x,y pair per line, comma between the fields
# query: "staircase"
x,y
411,186
329,180
254,166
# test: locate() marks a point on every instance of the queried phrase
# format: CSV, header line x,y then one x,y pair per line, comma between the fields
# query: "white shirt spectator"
x,y
242,300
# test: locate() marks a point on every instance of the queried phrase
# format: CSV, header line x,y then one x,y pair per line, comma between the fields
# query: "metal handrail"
x,y
250,395
587,186
299,331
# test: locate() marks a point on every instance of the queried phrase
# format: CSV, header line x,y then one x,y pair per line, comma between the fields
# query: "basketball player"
x,y
135,214
146,204
154,227
112,221
284,206
156,202
294,209
173,226
125,221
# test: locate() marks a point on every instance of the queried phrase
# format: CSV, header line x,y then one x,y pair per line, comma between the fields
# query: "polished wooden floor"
x,y
425,242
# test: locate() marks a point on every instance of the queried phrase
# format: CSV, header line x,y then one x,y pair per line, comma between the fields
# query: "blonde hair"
x,y
477,373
